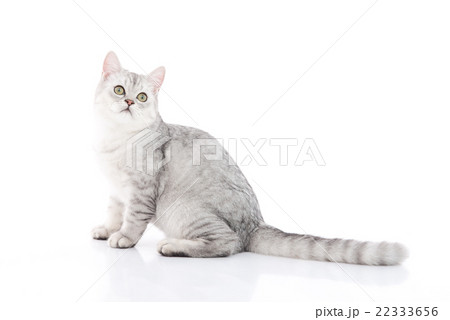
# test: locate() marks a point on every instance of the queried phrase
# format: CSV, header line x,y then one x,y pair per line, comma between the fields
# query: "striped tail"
x,y
271,241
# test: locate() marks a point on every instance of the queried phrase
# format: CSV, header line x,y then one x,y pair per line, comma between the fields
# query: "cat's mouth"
x,y
123,110
127,109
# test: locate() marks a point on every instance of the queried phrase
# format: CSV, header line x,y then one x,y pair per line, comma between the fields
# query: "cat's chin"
x,y
129,121
128,118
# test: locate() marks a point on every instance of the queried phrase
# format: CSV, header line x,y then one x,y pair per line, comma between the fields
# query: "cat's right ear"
x,y
110,65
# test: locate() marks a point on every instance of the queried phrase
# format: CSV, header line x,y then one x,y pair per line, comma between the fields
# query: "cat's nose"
x,y
129,102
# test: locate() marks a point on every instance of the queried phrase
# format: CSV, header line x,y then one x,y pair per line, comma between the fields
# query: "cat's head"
x,y
127,99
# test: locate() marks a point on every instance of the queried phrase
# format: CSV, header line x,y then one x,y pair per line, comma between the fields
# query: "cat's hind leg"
x,y
201,237
198,248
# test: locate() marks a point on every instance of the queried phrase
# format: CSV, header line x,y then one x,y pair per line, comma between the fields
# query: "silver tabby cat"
x,y
206,209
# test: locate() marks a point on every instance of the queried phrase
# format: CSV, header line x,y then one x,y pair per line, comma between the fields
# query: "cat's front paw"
x,y
100,233
118,240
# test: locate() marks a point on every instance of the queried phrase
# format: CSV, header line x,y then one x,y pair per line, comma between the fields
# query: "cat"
x,y
206,209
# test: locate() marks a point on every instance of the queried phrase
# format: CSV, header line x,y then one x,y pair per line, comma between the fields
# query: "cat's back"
x,y
186,135
201,169
197,149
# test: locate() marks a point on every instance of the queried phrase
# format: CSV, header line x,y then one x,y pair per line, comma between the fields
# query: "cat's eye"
x,y
119,90
142,97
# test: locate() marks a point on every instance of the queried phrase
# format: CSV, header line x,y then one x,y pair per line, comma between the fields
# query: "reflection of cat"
x,y
206,209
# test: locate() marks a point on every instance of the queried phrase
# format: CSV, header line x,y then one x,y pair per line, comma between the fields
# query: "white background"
x,y
370,86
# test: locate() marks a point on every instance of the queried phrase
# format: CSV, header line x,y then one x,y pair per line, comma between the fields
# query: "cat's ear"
x,y
110,65
156,78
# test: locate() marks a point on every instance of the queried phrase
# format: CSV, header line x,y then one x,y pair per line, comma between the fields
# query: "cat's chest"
x,y
112,160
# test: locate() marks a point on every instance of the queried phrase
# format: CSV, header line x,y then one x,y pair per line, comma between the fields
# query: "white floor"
x,y
91,271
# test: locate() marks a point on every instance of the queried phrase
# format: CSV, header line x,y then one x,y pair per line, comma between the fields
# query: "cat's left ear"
x,y
156,78
111,65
